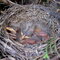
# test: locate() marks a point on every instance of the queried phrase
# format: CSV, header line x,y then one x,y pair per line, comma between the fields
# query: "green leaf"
x,y
46,56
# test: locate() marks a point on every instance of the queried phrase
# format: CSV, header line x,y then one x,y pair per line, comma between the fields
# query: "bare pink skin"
x,y
43,34
28,41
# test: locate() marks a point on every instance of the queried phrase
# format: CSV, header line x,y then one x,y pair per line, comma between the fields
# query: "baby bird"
x,y
18,34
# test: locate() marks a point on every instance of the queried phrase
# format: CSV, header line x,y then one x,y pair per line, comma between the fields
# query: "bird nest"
x,y
26,31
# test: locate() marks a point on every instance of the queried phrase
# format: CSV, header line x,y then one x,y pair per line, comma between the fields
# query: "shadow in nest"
x,y
3,7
